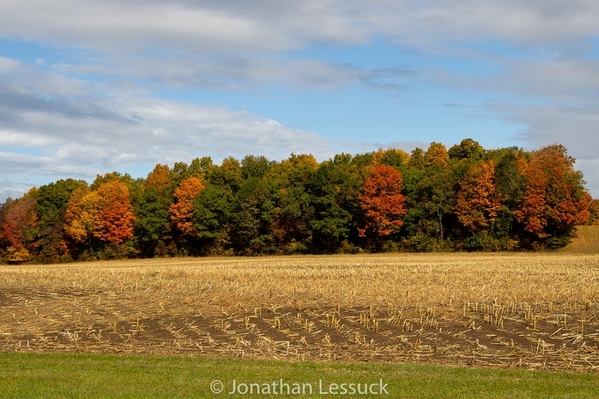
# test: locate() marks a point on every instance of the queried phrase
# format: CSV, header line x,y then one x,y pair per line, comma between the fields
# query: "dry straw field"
x,y
502,310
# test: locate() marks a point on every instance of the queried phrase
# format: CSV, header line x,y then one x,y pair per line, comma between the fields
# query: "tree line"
x,y
466,198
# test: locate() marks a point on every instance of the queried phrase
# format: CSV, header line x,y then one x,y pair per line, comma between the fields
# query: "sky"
x,y
93,86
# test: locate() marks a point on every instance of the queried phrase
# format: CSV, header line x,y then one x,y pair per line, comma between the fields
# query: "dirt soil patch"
x,y
199,308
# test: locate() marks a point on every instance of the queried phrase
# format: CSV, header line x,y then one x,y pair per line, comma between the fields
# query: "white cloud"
x,y
48,135
10,189
241,71
154,130
525,23
8,65
30,140
119,24
572,81
575,127
274,25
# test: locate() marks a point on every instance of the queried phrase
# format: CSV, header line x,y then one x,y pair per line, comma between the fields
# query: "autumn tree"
x,y
115,218
181,210
382,202
134,186
3,211
52,201
19,227
553,198
81,215
104,214
158,178
436,155
476,205
586,215
464,198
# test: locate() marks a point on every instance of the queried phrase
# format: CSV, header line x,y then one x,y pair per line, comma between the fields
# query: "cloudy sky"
x,y
93,86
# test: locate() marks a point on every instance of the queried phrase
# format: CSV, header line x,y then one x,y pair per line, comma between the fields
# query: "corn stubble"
x,y
537,311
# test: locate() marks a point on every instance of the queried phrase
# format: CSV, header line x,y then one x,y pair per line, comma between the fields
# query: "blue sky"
x,y
89,86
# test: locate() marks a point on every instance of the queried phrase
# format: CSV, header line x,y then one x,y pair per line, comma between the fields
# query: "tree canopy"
x,y
464,198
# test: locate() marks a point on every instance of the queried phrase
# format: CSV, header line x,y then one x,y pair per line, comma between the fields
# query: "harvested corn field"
x,y
537,311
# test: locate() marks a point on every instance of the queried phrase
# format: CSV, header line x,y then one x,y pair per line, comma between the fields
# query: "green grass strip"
x,y
99,376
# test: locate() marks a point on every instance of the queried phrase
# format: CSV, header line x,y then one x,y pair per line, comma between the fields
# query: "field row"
x,y
431,309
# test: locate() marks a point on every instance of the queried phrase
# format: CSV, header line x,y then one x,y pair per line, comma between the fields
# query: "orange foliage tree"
x,y
181,210
114,222
554,198
159,177
382,202
476,204
105,214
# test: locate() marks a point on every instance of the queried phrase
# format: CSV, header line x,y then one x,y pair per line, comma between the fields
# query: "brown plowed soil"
x,y
209,310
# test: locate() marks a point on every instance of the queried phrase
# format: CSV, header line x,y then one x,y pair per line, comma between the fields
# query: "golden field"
x,y
536,311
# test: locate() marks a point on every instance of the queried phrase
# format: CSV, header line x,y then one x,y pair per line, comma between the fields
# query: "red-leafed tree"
x,y
181,210
114,222
20,222
476,205
554,197
382,202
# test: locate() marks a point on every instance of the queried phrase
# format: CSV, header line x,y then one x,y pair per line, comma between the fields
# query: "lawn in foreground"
x,y
101,376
